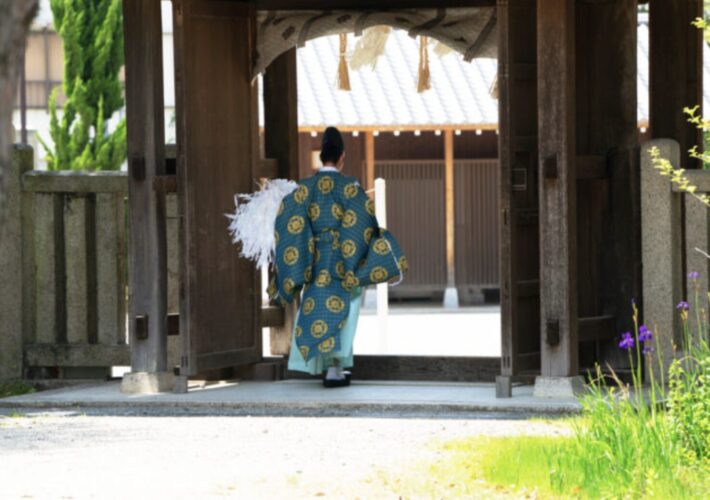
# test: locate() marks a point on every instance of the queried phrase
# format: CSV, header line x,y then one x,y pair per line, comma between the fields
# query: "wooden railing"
x,y
63,272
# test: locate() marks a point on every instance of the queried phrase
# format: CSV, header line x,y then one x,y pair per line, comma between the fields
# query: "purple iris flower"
x,y
627,341
682,306
648,349
645,335
694,275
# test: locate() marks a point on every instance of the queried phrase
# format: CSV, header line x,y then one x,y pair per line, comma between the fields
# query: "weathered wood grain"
x,y
146,159
558,193
519,237
75,182
219,290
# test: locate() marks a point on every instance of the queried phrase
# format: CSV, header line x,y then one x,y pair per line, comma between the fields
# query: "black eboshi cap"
x,y
332,146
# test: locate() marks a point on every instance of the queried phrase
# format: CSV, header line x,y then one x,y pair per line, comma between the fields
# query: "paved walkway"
x,y
304,397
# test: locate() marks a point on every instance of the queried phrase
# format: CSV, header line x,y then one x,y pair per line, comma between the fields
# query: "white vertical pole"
x,y
382,293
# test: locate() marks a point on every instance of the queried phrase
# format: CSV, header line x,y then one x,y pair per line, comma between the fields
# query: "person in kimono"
x,y
328,247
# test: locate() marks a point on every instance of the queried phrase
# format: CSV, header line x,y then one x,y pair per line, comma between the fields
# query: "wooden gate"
x,y
519,250
216,125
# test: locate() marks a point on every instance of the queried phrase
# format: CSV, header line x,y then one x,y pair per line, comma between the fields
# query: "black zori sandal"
x,y
335,382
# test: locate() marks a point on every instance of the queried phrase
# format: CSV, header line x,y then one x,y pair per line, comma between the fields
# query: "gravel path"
x,y
69,455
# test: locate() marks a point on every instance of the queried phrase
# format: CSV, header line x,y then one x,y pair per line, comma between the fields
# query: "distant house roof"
x,y
387,97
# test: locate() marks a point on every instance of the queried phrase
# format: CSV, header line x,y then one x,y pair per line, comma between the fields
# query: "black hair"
x,y
332,146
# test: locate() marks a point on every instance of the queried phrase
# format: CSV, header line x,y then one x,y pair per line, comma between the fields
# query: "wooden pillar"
x,y
676,69
146,160
369,161
281,144
281,114
558,210
451,297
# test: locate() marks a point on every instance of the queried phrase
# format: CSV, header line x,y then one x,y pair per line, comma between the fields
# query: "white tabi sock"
x,y
334,373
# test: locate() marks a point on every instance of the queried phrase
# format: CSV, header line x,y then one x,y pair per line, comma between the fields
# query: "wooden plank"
x,y
80,284
591,167
75,182
558,189
281,114
165,184
272,316
267,168
597,328
608,237
77,355
519,235
146,158
110,247
370,163
49,268
450,208
366,4
220,292
675,72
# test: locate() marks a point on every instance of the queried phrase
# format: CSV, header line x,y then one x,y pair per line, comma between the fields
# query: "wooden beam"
x,y
449,205
143,42
272,316
591,167
367,4
558,214
369,161
267,168
76,355
75,182
281,144
675,71
281,114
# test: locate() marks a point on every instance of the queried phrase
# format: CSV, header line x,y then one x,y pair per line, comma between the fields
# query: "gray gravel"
x,y
73,455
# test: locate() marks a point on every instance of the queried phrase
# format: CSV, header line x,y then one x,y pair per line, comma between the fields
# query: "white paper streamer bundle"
x,y
252,223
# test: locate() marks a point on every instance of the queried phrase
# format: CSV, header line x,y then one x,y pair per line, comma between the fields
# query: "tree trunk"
x,y
15,18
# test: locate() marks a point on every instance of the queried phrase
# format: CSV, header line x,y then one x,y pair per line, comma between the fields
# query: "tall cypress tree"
x,y
92,32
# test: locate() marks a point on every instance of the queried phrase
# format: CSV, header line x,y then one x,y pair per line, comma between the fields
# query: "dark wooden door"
x,y
217,127
519,200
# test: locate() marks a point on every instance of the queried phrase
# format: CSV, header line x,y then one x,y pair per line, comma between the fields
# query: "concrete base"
x,y
147,382
451,298
558,387
300,398
504,387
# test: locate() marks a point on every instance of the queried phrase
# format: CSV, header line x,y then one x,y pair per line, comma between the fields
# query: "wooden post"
x,y
369,160
146,160
558,214
281,114
451,296
675,71
281,144
11,279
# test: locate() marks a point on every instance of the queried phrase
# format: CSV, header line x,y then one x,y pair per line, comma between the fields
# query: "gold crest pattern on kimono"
x,y
328,242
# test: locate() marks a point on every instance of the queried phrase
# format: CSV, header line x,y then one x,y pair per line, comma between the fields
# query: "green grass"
x,y
14,388
546,467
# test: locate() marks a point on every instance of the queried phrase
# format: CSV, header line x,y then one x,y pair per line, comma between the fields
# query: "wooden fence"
x,y
63,272
416,215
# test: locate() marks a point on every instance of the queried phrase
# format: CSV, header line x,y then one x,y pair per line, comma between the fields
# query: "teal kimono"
x,y
327,244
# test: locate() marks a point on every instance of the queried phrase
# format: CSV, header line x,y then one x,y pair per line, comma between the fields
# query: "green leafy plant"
x,y
93,55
